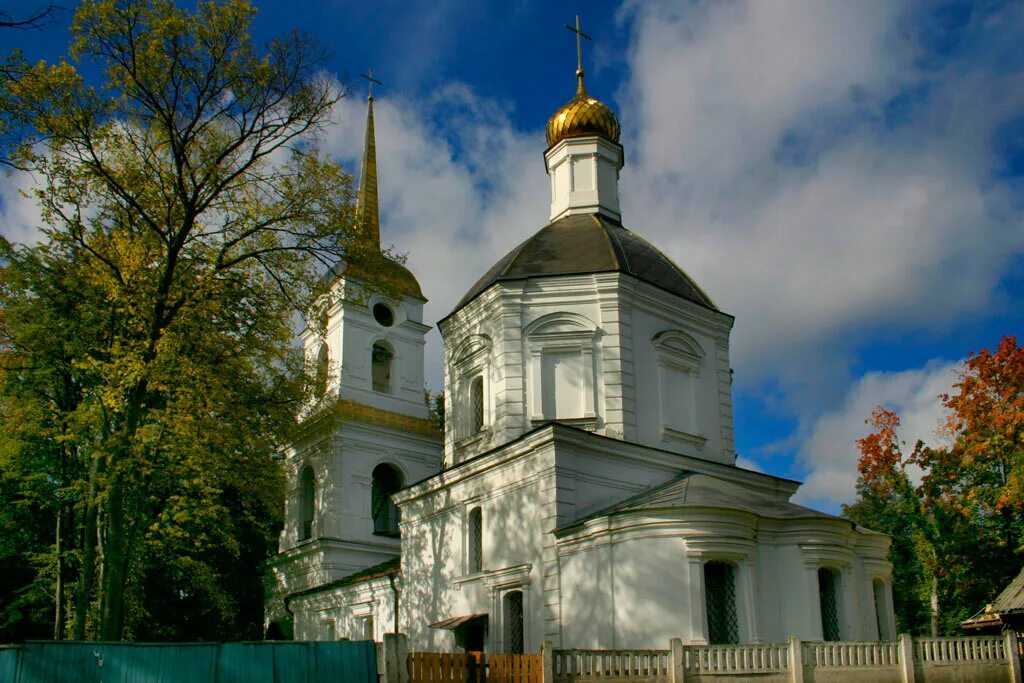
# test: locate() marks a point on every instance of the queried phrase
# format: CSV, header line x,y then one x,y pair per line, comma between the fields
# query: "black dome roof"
x,y
590,243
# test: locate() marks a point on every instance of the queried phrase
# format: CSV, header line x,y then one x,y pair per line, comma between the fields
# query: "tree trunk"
x,y
115,562
935,606
87,575
58,593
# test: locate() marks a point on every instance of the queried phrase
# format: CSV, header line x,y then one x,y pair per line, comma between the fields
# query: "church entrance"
x,y
471,635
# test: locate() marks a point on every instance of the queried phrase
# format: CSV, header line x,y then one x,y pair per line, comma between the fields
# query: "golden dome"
x,y
582,115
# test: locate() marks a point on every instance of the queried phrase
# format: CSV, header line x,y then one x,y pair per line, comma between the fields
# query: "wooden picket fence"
x,y
473,667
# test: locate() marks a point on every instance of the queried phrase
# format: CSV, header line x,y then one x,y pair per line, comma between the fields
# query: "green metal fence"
x,y
270,662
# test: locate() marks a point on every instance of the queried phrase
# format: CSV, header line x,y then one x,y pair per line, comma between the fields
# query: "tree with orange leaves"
x,y
982,475
957,536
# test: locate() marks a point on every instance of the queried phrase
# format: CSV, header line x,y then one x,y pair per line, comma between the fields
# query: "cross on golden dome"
x,y
579,50
582,115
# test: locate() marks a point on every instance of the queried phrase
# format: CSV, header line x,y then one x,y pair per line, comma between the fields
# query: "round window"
x,y
383,315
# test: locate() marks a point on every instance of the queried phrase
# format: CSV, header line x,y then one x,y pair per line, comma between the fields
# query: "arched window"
x,y
513,609
382,360
476,400
679,359
828,595
560,374
475,545
386,481
720,599
323,362
307,503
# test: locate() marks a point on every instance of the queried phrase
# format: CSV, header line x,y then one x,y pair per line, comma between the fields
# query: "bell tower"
x,y
367,433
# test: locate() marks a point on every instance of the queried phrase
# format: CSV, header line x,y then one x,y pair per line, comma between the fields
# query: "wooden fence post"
x,y
796,659
1013,656
396,655
676,661
547,662
907,657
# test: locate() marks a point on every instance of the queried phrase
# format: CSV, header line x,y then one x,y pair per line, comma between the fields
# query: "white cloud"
x,y
19,215
453,217
763,164
829,453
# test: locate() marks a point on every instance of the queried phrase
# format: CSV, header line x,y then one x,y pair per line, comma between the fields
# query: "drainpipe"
x,y
394,589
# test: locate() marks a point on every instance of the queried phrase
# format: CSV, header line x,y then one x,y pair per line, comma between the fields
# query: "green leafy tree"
x,y
186,212
957,535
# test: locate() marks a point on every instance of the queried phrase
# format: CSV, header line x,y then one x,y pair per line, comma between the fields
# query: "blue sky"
x,y
843,177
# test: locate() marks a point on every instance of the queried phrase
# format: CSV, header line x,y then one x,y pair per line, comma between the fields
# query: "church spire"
x,y
367,210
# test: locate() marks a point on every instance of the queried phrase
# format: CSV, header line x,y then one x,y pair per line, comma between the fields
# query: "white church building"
x,y
585,489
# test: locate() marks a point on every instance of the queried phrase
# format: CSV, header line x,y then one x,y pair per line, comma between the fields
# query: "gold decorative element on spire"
x,y
582,115
367,209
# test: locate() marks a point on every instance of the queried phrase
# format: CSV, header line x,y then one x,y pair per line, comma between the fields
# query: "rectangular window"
x,y
368,628
476,397
828,595
476,541
720,598
562,384
514,641
678,393
381,361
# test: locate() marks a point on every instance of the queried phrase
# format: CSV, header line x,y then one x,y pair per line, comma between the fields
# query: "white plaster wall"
x,y
637,581
346,608
516,496
351,333
622,397
584,174
713,395
343,454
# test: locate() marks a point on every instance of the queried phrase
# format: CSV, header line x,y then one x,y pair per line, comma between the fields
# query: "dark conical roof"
x,y
590,243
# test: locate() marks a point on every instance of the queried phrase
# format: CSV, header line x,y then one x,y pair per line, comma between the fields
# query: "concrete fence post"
x,y
396,656
796,659
676,662
547,662
1013,656
907,658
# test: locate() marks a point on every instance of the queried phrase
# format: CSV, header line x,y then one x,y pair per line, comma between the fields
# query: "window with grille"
x,y
828,594
307,503
476,541
476,399
720,598
386,481
382,357
514,622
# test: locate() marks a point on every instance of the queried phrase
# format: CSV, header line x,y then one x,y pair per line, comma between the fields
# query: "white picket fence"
x,y
975,658
766,658
851,654
979,648
610,665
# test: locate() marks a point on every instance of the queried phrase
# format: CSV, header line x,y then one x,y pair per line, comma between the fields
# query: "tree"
x,y
33,20
888,502
957,535
983,473
186,200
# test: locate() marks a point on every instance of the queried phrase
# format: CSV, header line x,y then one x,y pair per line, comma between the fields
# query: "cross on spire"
x,y
579,44
580,90
370,80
